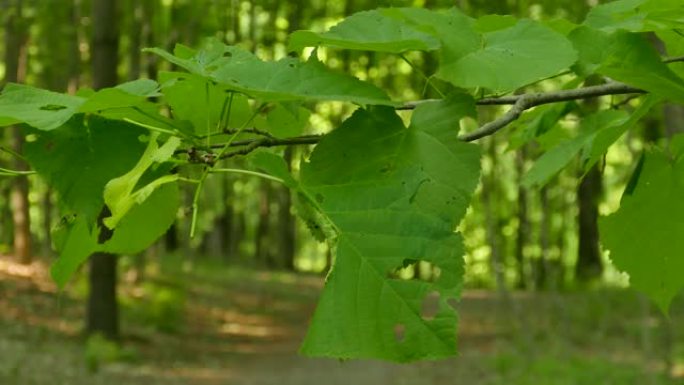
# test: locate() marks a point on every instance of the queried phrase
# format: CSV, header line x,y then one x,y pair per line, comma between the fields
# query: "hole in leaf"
x,y
453,302
52,107
399,332
430,306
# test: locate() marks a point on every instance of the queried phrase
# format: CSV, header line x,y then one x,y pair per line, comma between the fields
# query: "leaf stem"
x,y
208,168
423,75
246,172
151,128
12,152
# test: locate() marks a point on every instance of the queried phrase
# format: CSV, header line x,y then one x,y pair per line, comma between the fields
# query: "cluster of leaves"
x,y
384,194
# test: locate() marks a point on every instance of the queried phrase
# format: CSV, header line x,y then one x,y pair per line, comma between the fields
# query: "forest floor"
x,y
222,325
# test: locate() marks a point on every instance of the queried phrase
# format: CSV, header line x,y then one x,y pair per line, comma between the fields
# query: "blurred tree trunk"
x,y
287,226
136,10
589,265
523,232
673,116
542,269
489,200
102,308
262,237
15,71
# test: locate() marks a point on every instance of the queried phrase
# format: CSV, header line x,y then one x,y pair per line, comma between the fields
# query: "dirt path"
x,y
246,328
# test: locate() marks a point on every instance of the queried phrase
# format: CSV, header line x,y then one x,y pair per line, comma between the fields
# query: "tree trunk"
x,y
489,200
262,235
287,228
15,71
522,235
103,309
589,265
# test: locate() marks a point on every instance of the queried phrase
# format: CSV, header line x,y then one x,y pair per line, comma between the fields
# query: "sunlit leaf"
x,y
45,110
370,31
122,193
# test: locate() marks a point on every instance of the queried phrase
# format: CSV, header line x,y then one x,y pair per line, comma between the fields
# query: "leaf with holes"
x,y
45,110
392,195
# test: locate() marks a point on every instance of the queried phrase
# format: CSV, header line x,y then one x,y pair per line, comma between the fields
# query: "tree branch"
x,y
526,101
519,104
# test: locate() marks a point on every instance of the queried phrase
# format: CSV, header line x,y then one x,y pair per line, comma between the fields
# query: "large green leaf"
x,y
369,30
209,103
499,62
143,225
39,108
632,59
78,244
80,157
287,79
646,235
391,195
145,222
47,110
637,15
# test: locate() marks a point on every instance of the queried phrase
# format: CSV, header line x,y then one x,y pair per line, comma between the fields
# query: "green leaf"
x,y
285,80
491,23
145,222
143,225
289,79
205,109
368,31
392,195
610,134
645,235
80,157
538,122
202,62
497,64
633,59
622,14
554,160
79,243
39,108
273,165
286,122
637,15
120,194
140,87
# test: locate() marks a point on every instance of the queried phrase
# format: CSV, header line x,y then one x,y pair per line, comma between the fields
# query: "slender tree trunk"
x,y
102,307
589,265
522,235
262,236
287,225
15,71
542,276
489,199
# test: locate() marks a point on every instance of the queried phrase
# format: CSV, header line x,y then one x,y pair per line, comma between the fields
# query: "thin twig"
x,y
251,145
